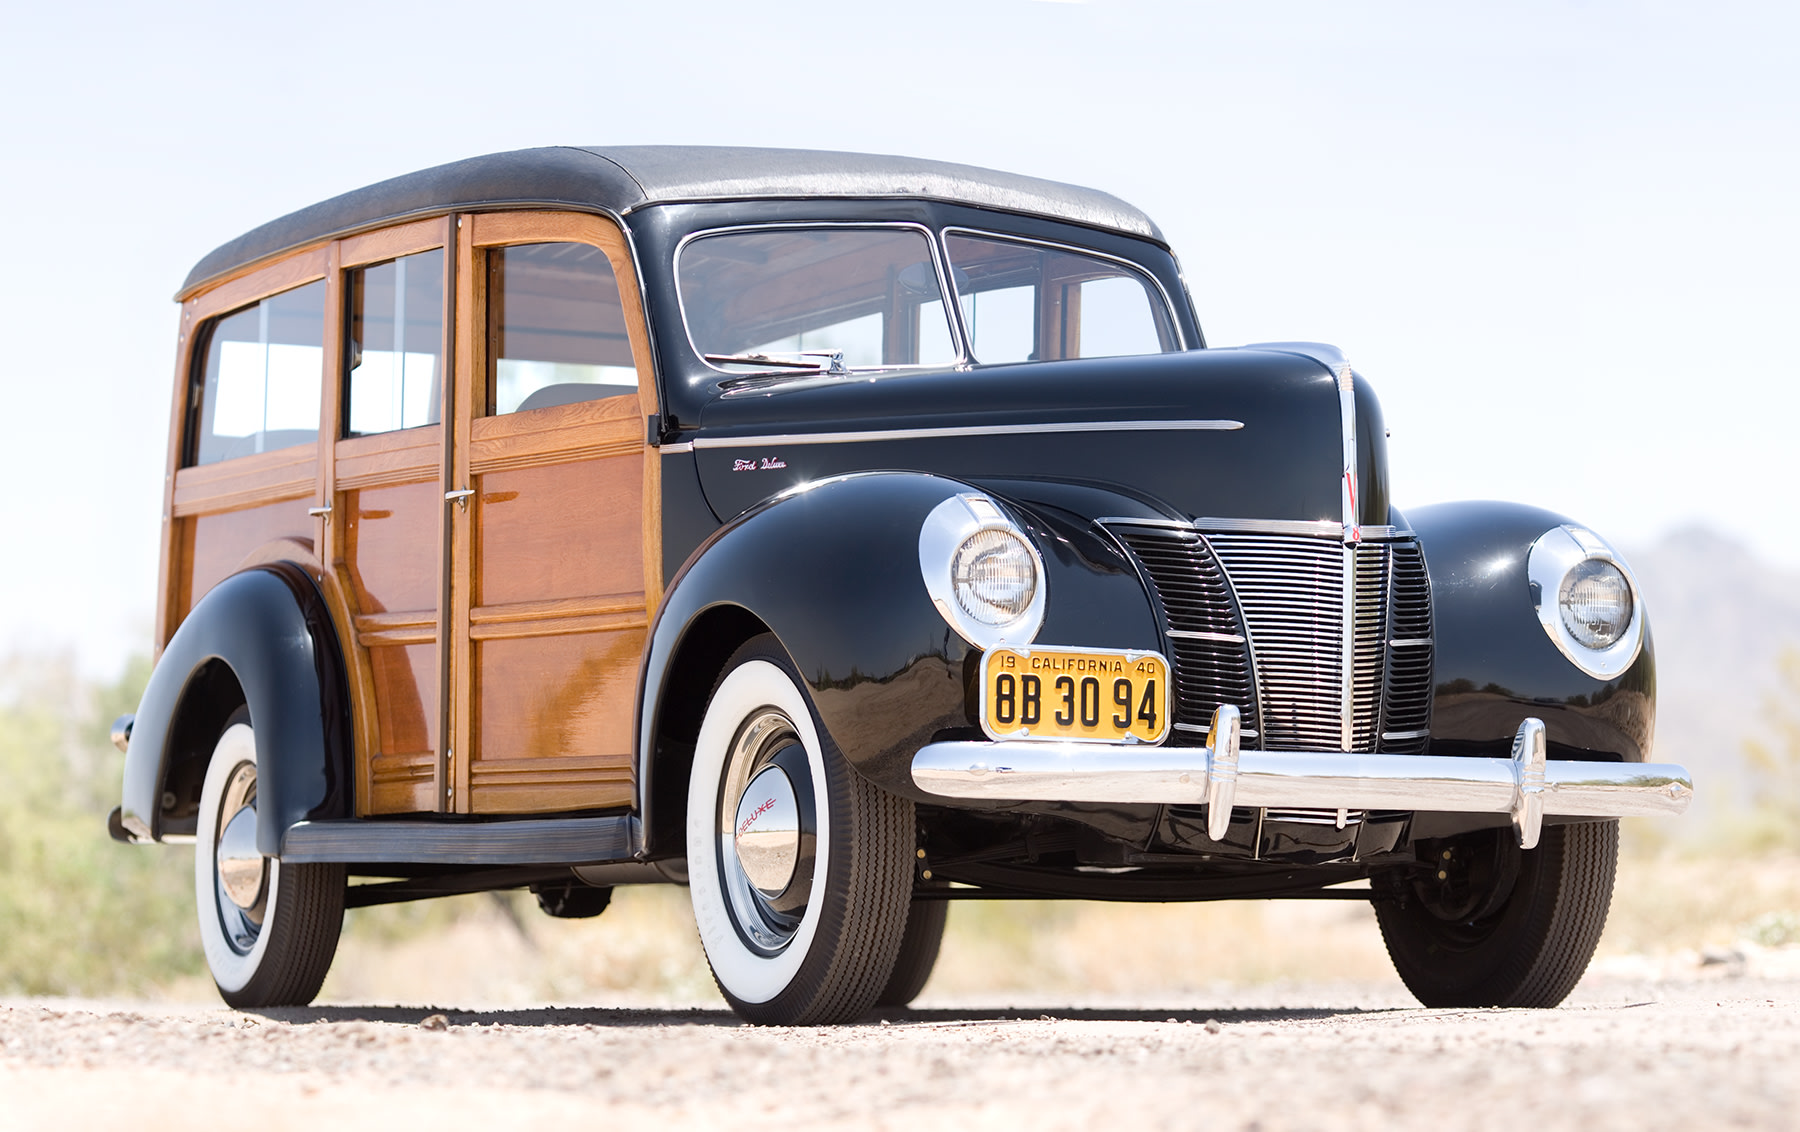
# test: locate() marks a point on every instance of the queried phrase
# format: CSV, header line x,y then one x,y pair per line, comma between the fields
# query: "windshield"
x,y
774,297
1030,302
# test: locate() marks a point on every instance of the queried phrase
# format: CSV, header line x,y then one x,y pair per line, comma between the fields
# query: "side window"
x,y
556,328
1026,302
259,383
395,344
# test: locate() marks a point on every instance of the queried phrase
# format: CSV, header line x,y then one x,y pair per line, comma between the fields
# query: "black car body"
x,y
916,603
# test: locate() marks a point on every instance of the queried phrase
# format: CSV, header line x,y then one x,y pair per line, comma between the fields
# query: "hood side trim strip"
x,y
959,430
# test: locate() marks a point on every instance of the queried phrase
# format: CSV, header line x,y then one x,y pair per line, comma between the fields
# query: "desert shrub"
x,y
79,913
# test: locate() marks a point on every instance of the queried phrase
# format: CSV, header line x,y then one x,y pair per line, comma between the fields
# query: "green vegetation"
x,y
79,913
1773,817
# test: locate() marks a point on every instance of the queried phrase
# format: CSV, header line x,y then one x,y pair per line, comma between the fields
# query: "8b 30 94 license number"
x,y
1096,695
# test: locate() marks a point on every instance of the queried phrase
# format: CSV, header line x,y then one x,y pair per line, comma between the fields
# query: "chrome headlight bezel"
x,y
951,524
1555,553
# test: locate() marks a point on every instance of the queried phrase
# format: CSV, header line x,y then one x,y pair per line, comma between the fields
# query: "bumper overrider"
x,y
1221,775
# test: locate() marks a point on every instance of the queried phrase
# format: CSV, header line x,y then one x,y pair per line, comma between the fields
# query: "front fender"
x,y
1494,663
833,572
263,638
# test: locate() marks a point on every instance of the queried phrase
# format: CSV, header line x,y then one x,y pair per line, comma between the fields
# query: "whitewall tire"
x,y
800,871
269,931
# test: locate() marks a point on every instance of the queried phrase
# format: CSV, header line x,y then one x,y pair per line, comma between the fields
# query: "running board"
x,y
514,841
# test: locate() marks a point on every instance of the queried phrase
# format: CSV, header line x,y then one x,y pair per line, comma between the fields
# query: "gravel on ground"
x,y
1691,1053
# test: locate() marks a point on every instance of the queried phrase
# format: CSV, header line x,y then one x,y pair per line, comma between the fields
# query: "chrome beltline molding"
x,y
793,438
1221,776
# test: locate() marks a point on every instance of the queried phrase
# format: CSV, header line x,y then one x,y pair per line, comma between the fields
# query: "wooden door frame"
x,y
386,459
476,233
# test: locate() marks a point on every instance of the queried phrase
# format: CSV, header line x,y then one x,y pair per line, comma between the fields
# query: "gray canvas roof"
x,y
621,178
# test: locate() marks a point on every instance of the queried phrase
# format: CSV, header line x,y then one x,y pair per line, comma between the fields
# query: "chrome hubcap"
x,y
243,872
768,832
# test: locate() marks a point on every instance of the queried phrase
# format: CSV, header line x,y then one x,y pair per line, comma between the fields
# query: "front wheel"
x,y
918,952
1489,924
800,871
269,930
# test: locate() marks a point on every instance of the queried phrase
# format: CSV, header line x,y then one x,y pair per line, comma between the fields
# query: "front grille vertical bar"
x,y
1346,385
1347,682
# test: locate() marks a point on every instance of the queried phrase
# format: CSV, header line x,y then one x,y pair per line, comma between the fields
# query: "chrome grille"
x,y
1371,642
1206,634
1406,698
1258,620
1291,589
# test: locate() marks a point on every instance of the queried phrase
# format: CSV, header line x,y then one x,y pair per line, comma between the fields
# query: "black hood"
x,y
1250,433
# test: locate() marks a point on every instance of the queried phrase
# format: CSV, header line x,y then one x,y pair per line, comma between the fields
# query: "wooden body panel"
x,y
390,556
212,547
491,647
553,531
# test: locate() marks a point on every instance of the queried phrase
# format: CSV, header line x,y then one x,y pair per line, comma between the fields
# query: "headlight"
x,y
981,571
1595,602
1586,600
994,577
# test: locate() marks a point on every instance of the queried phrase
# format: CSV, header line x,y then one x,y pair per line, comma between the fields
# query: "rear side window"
x,y
396,344
556,328
1028,302
259,383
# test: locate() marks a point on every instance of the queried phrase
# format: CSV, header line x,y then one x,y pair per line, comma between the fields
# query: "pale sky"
x,y
1560,238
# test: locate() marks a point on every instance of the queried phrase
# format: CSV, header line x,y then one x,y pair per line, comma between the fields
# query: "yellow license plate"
x,y
1096,695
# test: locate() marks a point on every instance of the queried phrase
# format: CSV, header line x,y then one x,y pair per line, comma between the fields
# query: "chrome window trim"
x,y
1181,343
1553,554
938,261
948,525
795,438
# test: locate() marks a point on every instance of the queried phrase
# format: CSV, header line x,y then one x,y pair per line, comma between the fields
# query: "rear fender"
x,y
262,638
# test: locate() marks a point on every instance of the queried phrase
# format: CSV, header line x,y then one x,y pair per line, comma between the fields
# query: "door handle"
x,y
320,512
460,498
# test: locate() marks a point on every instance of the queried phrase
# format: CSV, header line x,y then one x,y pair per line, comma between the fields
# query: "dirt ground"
x,y
1714,1049
1262,1014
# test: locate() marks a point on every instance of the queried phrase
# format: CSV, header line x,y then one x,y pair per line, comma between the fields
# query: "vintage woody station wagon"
x,y
840,536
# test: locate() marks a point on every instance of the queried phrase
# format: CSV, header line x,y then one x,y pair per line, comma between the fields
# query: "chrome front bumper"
x,y
1221,776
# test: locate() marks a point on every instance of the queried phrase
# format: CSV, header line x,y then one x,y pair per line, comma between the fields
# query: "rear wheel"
x,y
269,930
1493,925
800,871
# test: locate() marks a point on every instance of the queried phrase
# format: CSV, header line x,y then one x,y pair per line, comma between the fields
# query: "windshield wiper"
x,y
830,362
